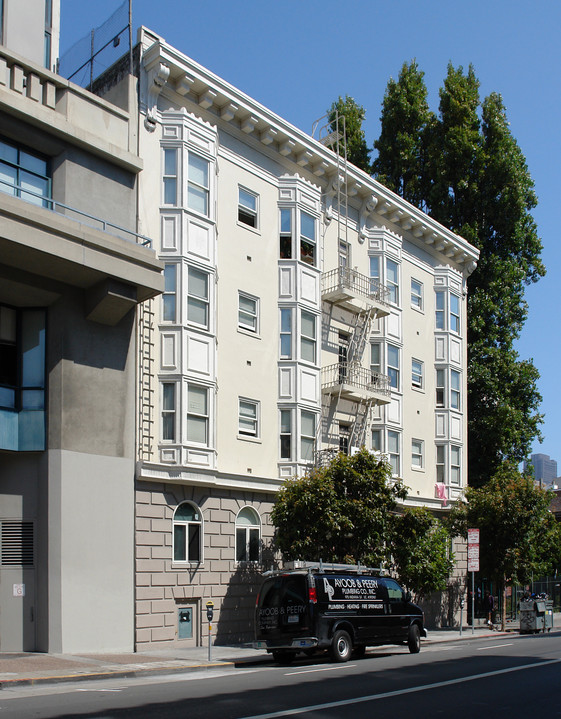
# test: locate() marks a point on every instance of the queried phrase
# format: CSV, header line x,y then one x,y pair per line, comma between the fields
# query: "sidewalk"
x,y
34,668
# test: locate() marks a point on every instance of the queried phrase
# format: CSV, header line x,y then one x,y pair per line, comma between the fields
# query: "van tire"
x,y
414,639
341,646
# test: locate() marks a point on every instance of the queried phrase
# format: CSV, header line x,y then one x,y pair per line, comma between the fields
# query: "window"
x,y
374,275
286,334
197,414
248,313
187,533
376,440
170,176
439,318
307,238
454,389
286,434
22,378
393,452
440,463
416,294
168,411
440,387
375,363
308,337
344,254
393,366
24,174
417,453
48,32
248,418
247,207
454,313
307,435
169,297
392,281
455,466
285,248
197,297
248,535
344,437
198,185
416,374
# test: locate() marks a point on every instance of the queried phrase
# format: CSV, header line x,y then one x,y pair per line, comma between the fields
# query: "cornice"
x,y
199,86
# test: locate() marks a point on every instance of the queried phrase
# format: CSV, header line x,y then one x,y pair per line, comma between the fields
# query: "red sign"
x,y
473,536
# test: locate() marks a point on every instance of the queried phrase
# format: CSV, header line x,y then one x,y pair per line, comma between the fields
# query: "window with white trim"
x,y
376,440
198,183
247,207
454,313
394,452
417,453
198,297
308,336
375,361
168,411
440,388
375,274
286,434
187,534
248,535
307,435
392,280
440,463
447,305
393,366
286,333
440,305
197,414
285,237
417,373
307,238
248,418
455,379
248,313
455,464
416,294
170,176
169,296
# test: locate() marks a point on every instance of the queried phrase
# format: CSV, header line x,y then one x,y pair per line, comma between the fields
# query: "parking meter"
x,y
209,610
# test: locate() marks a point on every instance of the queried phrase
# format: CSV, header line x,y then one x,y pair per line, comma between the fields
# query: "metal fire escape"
x,y
146,332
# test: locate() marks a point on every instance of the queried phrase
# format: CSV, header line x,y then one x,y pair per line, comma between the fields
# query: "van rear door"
x,y
283,609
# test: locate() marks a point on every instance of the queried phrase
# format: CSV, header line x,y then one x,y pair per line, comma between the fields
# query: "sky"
x,y
298,56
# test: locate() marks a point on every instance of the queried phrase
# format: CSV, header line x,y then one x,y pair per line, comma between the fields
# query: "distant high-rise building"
x,y
545,468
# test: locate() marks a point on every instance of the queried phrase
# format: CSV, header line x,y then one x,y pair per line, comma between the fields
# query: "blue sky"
x,y
296,57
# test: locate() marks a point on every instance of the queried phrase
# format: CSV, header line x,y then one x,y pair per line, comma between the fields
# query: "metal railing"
x,y
355,375
50,204
346,278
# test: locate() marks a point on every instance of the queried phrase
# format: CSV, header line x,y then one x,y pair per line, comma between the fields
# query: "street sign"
x,y
473,564
473,552
473,536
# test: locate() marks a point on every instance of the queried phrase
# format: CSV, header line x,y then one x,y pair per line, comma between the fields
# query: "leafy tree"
x,y
474,179
348,512
420,550
406,122
353,114
518,534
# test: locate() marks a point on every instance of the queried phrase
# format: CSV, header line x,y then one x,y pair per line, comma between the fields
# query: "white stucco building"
x,y
306,310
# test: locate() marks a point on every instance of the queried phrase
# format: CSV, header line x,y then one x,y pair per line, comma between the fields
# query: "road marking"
x,y
494,646
101,690
398,692
321,669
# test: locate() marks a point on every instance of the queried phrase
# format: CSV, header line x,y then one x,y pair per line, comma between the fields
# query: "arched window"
x,y
248,535
187,533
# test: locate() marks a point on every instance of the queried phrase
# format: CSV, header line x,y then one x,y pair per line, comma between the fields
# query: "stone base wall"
x,y
443,609
164,587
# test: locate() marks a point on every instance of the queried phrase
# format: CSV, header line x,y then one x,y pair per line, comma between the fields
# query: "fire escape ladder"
x,y
146,332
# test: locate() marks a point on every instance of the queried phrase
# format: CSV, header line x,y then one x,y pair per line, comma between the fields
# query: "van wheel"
x,y
341,646
414,639
284,657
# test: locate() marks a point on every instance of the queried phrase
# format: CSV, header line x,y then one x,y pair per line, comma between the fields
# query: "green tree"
x,y
518,534
353,114
474,180
420,551
348,512
406,122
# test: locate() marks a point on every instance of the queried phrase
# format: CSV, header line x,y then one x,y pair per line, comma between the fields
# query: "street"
x,y
518,675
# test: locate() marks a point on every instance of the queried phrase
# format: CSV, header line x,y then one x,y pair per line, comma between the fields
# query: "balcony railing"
x,y
353,381
344,283
39,200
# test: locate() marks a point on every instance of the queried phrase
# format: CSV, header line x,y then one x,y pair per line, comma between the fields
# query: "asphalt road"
x,y
512,675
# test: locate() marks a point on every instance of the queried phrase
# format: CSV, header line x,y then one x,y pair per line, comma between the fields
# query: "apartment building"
x,y
307,310
72,271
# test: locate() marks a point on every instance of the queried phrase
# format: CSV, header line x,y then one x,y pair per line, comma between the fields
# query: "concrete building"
x,y
545,469
306,310
72,271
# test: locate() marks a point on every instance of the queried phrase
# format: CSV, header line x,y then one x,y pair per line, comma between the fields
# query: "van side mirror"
x,y
407,596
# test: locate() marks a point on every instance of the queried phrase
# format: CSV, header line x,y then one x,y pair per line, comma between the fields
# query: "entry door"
x,y
17,610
